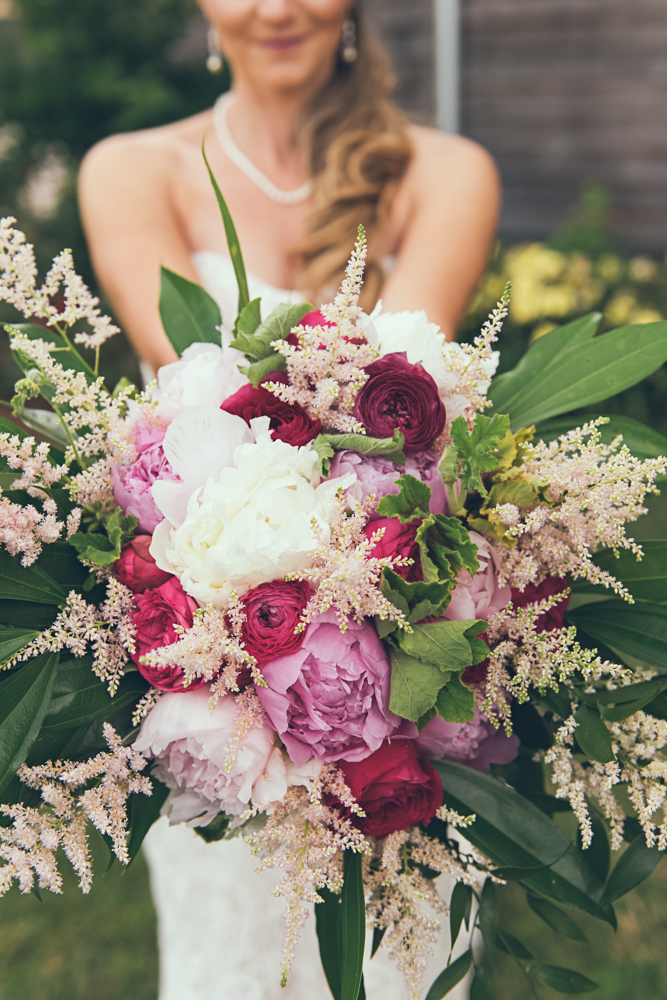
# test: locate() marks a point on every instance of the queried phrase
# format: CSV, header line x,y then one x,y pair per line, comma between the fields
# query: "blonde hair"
x,y
359,149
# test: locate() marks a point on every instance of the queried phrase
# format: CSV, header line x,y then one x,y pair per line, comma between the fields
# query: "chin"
x,y
289,70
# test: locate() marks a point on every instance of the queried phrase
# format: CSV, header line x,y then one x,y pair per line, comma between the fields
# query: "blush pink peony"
x,y
474,743
481,595
132,484
330,698
376,475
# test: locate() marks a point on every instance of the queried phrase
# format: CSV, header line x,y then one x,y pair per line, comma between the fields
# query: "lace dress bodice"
x,y
220,928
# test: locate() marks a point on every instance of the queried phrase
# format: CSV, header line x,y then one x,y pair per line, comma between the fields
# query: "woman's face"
x,y
284,45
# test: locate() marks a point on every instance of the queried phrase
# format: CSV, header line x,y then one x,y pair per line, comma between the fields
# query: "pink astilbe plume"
x,y
326,370
347,577
73,793
23,530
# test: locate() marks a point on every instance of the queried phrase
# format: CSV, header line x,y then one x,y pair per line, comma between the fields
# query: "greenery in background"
x,y
71,73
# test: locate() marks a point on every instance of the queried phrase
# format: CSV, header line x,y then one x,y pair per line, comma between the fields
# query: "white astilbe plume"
x,y
521,658
346,576
23,530
210,649
28,847
326,369
108,630
18,286
306,838
592,491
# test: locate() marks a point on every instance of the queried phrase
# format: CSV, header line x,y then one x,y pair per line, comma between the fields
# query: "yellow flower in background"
x,y
642,269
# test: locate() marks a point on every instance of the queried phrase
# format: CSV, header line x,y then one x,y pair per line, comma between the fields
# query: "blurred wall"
x,y
406,30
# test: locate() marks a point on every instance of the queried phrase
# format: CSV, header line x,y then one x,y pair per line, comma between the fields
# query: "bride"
x,y
306,146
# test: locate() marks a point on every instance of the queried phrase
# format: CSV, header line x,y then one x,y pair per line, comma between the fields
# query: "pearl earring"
x,y
214,61
349,41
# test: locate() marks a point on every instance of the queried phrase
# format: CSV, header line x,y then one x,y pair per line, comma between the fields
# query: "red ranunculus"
x,y
273,611
398,540
314,318
136,568
550,586
157,612
289,421
395,788
403,395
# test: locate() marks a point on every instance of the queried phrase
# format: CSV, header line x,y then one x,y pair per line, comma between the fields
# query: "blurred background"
x,y
570,97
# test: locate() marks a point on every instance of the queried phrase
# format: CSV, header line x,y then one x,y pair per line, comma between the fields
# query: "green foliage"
x,y
232,239
555,918
254,338
103,547
638,630
389,448
455,702
446,549
340,923
189,314
450,976
13,639
28,583
593,736
562,980
259,370
79,697
143,811
473,452
632,868
411,501
24,699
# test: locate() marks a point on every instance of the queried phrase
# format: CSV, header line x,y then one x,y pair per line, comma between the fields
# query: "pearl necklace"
x,y
252,172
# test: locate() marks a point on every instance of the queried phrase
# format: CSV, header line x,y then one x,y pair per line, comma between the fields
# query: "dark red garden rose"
x,y
395,788
289,421
403,395
314,318
136,568
273,611
550,586
398,540
157,612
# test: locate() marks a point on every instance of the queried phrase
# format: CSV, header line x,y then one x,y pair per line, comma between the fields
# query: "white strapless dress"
x,y
220,928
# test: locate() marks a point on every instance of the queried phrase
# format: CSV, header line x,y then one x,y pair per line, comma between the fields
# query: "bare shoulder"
x,y
441,160
140,160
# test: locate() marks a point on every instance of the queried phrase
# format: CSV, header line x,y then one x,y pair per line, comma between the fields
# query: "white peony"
x,y
205,374
250,523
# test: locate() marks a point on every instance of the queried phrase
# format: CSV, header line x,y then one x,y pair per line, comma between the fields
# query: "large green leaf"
x,y
59,560
327,925
143,811
12,639
255,340
232,240
638,630
593,736
412,500
79,696
645,578
27,614
511,831
633,867
442,643
450,976
569,368
455,702
389,448
460,906
28,583
643,442
414,685
352,926
556,918
562,980
189,314
24,697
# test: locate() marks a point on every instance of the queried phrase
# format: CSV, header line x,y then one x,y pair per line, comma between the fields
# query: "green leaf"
x,y
565,371
593,736
512,831
79,696
412,500
245,325
143,811
232,242
324,452
24,697
455,702
27,614
256,342
12,639
512,946
258,370
643,442
479,988
446,548
47,424
414,685
646,579
73,360
389,448
442,643
450,976
634,866
488,915
561,980
418,600
378,934
352,926
476,448
556,918
189,314
460,906
214,831
28,583
639,631
104,549
327,926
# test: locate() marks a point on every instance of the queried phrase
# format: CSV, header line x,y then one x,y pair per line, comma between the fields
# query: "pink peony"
x,y
330,698
132,483
377,475
157,612
474,743
190,742
398,394
273,611
137,569
479,596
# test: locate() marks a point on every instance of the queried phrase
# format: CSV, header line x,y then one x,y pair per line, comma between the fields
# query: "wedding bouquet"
x,y
330,586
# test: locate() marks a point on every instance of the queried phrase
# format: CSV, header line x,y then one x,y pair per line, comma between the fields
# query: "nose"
x,y
276,11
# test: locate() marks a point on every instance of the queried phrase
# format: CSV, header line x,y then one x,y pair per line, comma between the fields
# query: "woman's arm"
x,y
450,201
124,197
